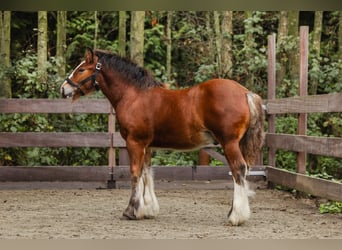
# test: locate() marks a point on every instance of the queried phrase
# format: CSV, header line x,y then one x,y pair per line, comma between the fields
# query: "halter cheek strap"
x,y
94,83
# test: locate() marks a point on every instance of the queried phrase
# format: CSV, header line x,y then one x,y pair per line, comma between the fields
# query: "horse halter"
x,y
94,83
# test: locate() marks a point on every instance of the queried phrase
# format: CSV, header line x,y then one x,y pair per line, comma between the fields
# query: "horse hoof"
x,y
148,217
126,216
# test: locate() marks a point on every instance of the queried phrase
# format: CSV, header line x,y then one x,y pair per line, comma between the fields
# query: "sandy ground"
x,y
186,212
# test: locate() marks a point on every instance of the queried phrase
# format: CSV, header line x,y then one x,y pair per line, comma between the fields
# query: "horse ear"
x,y
89,55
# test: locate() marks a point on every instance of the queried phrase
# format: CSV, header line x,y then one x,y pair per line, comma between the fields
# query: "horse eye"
x,y
81,70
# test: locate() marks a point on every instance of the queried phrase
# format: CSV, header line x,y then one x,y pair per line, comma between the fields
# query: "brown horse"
x,y
152,116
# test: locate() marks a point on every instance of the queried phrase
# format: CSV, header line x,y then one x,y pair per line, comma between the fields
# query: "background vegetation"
x,y
182,48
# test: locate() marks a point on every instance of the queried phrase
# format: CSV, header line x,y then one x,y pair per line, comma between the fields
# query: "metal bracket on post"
x,y
193,172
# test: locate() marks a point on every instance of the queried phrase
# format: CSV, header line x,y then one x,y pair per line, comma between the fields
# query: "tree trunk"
x,y
227,32
340,41
5,61
209,36
137,36
316,47
96,29
218,42
281,57
61,43
42,46
249,44
122,33
340,36
168,45
317,32
293,21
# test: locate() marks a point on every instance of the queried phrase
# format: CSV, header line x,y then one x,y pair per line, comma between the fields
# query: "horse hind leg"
x,y
240,211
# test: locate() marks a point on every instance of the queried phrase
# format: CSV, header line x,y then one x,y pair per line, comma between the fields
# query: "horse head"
x,y
82,81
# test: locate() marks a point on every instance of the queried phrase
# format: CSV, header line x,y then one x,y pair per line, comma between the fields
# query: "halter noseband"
x,y
84,81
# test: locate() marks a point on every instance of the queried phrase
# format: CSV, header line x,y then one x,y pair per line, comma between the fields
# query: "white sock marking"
x,y
148,203
240,211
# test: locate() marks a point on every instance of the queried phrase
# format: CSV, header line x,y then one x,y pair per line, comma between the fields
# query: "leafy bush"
x,y
330,207
174,158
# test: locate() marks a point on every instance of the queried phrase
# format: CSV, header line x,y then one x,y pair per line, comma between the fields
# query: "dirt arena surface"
x,y
187,211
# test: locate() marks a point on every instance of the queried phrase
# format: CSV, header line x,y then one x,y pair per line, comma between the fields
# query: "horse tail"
x,y
253,139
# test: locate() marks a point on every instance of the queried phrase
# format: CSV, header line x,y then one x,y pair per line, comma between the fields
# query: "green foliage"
x,y
81,33
332,207
155,51
204,73
250,54
174,158
25,77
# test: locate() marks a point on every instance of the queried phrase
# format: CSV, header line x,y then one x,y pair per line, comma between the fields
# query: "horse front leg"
x,y
149,196
143,202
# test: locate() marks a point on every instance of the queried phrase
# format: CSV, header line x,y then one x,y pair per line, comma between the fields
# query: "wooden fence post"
x,y
111,151
271,92
303,91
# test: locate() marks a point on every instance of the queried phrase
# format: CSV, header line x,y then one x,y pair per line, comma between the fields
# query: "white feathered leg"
x,y
148,203
240,211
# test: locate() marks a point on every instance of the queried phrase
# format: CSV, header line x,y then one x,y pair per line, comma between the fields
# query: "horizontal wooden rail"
x,y
121,173
216,155
311,185
60,139
328,146
54,106
305,104
54,173
299,104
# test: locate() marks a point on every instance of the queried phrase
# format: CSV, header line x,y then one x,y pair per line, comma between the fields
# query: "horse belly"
x,y
181,141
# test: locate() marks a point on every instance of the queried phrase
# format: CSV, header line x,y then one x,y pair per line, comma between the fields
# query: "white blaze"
x,y
66,88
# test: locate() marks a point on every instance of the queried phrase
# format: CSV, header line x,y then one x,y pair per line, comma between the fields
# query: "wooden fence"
x,y
300,143
110,139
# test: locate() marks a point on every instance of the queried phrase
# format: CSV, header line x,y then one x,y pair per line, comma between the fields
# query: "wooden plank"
x,y
216,155
53,106
328,146
111,131
305,104
188,173
173,173
123,156
118,141
314,186
61,139
121,173
303,91
54,173
271,92
159,172
211,173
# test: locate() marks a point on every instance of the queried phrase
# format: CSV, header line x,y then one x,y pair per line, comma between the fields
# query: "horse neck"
x,y
115,87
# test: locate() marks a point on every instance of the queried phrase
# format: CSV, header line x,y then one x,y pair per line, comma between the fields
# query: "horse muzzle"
x,y
67,91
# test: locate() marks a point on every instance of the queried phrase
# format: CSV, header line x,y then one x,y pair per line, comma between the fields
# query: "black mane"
x,y
140,77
